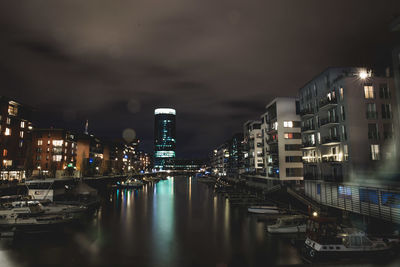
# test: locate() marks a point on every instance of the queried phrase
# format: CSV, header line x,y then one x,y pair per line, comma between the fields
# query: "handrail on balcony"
x,y
326,101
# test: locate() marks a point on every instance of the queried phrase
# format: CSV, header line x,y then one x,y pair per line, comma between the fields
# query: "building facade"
x,y
15,127
348,119
236,155
253,158
281,132
54,152
164,136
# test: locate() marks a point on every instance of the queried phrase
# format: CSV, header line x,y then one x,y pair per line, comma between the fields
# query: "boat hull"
x,y
287,230
263,211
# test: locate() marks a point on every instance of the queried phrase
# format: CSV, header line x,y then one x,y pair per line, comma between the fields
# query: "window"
x,y
294,172
21,143
342,114
294,159
21,134
375,152
38,157
57,142
390,199
292,135
369,92
40,142
373,131
8,121
292,147
371,111
346,152
386,111
12,110
288,124
344,134
7,132
22,124
48,142
319,189
387,131
384,92
5,152
57,157
341,95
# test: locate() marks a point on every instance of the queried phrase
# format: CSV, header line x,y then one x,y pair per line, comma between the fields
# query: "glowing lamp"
x,y
315,214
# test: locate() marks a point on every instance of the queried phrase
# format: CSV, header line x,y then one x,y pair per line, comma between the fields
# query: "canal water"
x,y
175,222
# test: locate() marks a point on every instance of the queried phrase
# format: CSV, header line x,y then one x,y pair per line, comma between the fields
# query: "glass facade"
x,y
164,136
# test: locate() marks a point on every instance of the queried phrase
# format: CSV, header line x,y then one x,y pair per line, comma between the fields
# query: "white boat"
x,y
289,225
264,209
326,240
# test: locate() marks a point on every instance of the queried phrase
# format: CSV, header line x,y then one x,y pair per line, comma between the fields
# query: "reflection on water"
x,y
175,222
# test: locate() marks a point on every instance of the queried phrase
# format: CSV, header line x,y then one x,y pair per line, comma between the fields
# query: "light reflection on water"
x,y
175,222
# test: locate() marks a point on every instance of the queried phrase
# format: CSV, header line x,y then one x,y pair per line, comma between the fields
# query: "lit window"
x,y
8,121
341,93
5,152
288,124
375,152
57,142
288,135
22,124
48,142
21,143
7,132
40,142
12,110
21,134
369,92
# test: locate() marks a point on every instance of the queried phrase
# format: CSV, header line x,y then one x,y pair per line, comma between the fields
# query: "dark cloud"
x,y
217,62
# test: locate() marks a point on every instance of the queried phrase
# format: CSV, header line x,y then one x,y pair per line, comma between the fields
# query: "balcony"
x,y
331,159
272,141
308,145
373,136
327,102
330,140
307,112
329,121
308,129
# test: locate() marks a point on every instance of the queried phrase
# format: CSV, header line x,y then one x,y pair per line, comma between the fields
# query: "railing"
x,y
306,111
330,159
308,128
327,101
308,144
373,135
330,139
372,114
332,119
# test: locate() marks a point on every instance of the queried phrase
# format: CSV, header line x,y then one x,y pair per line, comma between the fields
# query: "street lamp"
x,y
315,214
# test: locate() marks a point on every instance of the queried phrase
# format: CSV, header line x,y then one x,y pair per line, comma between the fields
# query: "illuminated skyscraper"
x,y
164,136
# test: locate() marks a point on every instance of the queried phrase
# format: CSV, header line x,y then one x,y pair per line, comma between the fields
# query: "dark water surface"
x,y
176,222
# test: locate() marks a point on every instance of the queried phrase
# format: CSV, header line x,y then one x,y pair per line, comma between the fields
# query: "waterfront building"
x,y
191,165
164,136
15,127
348,118
93,155
53,152
395,27
219,161
281,135
124,156
253,157
236,153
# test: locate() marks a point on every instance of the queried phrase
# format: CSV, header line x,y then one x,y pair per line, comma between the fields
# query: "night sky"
x,y
218,63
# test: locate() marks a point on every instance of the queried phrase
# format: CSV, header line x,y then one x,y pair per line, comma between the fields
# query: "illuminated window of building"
x,y
5,152
8,121
375,155
341,93
369,92
7,131
57,142
22,124
21,143
21,134
65,158
288,135
66,143
48,142
346,152
12,110
288,124
40,142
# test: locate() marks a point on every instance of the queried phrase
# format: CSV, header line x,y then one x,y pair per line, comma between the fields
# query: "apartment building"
x,y
53,152
281,135
15,127
253,144
348,121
